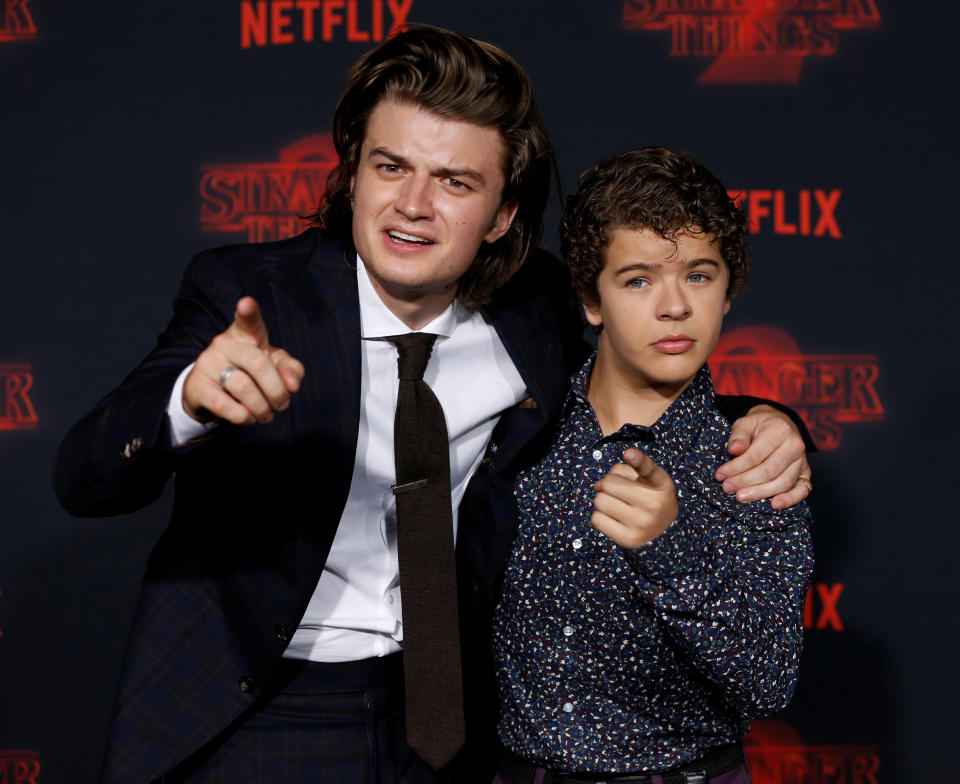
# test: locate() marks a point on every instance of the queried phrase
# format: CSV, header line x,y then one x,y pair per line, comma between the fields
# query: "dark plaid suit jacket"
x,y
256,508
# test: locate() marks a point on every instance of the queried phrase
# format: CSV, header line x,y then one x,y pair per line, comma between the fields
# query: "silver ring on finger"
x,y
227,372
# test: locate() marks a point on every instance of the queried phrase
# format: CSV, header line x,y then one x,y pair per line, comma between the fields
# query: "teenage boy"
x,y
645,615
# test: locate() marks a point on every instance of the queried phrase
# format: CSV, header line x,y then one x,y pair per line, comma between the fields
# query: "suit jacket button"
x,y
131,448
247,685
281,633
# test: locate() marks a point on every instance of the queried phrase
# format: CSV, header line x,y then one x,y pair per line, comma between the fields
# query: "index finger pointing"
x,y
249,323
648,471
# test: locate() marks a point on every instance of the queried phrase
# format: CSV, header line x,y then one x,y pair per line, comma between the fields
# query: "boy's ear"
x,y
726,306
592,311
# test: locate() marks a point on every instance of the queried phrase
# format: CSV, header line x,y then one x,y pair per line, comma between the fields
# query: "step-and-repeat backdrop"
x,y
134,134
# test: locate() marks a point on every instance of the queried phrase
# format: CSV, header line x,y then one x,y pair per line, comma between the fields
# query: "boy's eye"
x,y
698,277
637,283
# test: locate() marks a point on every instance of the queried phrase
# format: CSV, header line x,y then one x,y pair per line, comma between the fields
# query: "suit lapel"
x,y
320,325
325,327
534,346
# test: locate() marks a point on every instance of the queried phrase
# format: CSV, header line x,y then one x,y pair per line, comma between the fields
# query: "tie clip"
x,y
406,487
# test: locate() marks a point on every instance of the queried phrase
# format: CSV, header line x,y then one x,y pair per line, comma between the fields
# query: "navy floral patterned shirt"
x,y
613,660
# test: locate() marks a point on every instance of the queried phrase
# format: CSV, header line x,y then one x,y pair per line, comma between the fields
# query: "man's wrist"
x,y
183,427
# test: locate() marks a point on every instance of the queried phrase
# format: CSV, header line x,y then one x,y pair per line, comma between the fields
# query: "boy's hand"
x,y
636,501
770,459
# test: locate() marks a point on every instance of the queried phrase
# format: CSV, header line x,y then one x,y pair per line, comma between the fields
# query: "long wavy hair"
x,y
457,78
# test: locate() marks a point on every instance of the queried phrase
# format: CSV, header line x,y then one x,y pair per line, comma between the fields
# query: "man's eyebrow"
x,y
385,153
456,172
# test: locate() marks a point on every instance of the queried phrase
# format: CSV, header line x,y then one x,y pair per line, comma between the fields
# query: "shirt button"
x,y
577,544
568,707
597,455
567,631
247,684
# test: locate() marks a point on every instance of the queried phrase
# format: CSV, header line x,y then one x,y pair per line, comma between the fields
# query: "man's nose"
x,y
414,199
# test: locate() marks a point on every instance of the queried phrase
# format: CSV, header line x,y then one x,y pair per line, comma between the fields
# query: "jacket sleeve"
x,y
118,457
729,581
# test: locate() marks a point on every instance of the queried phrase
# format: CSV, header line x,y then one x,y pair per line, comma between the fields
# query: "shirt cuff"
x,y
676,551
183,427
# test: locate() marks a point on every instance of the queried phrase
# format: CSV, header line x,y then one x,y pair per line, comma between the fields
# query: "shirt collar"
x,y
678,424
378,321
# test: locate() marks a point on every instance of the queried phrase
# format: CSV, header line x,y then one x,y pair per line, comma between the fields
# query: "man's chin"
x,y
413,292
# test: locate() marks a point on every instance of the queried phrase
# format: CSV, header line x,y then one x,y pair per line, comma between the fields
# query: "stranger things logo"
x,y
16,23
264,201
278,22
777,755
19,767
827,390
16,409
751,40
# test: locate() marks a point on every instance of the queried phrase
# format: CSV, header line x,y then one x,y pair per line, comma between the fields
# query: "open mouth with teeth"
x,y
409,239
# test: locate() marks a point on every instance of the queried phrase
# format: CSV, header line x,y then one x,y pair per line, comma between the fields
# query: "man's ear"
x,y
502,221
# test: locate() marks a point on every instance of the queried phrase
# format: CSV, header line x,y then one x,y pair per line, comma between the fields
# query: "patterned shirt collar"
x,y
675,428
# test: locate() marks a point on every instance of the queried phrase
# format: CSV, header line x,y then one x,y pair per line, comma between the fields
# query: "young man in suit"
x,y
266,642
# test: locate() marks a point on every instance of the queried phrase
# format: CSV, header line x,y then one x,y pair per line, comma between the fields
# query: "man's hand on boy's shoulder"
x,y
635,502
769,459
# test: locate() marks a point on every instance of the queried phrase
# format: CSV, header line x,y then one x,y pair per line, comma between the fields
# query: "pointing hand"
x,y
240,377
635,502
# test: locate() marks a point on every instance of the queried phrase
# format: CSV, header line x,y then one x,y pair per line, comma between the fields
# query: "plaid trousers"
x,y
318,723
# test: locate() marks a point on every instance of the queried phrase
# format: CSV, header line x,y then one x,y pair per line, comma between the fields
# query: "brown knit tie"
x,y
428,577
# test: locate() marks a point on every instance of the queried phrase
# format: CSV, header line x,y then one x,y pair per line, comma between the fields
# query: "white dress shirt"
x,y
355,611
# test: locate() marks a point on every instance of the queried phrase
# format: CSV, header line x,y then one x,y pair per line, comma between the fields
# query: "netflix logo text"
x,y
820,611
279,22
804,213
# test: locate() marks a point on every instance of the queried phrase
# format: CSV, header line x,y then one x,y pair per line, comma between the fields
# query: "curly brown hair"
x,y
649,188
456,78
